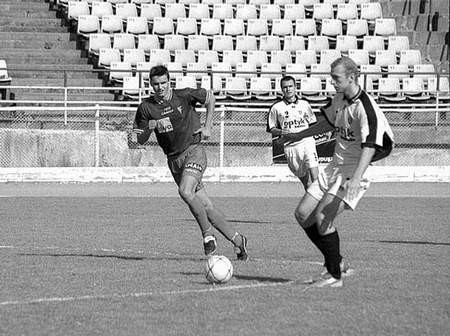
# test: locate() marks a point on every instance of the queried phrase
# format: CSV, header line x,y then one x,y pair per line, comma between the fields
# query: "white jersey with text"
x,y
358,122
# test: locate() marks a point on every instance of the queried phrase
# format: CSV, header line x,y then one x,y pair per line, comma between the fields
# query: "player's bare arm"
x,y
354,184
210,107
142,135
321,126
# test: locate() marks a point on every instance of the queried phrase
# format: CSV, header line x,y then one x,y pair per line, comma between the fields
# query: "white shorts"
x,y
302,156
331,181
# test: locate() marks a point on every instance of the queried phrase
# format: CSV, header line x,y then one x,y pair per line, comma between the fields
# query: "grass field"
x,y
127,260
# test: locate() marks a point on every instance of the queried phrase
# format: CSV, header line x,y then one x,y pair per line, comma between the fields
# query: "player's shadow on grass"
x,y
412,242
247,277
243,221
113,256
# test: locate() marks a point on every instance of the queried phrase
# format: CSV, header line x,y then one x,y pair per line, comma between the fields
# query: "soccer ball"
x,y
218,269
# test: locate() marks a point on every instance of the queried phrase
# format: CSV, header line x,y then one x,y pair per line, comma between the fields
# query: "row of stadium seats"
x,y
319,11
314,89
383,58
88,24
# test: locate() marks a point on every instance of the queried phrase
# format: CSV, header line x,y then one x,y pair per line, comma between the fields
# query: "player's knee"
x,y
186,194
301,216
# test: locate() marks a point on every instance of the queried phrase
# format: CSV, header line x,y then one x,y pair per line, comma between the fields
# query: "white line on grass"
x,y
213,288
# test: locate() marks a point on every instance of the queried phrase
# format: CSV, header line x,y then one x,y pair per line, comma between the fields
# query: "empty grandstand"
x,y
83,65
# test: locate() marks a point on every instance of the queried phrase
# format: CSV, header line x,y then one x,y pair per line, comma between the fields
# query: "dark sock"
x,y
330,243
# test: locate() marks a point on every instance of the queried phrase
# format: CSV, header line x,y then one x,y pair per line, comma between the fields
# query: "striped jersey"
x,y
290,117
177,122
358,123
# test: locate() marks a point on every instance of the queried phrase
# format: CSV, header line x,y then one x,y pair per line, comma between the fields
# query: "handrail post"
x,y
65,97
221,140
97,136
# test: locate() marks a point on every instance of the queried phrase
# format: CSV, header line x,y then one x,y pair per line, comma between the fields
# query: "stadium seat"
x,y
371,11
331,28
311,89
235,2
246,12
219,71
282,27
136,25
197,70
236,88
198,11
334,2
174,42
318,43
125,10
163,26
320,70
282,57
246,70
165,2
143,70
444,87
159,56
187,81
414,90
296,70
184,56
360,56
116,2
371,73
208,57
119,70
424,68
261,88
150,11
372,44
111,24
269,12
322,11
410,57
305,27
139,3
97,41
258,2
175,69
76,8
269,42
148,42
385,27
294,11
271,70
389,89
257,57
306,57
175,11
357,27
187,26
133,88
385,57
108,55
234,27
328,56
232,57
245,43
133,56
198,42
212,2
222,42
88,24
346,11
398,43
346,42
257,27
222,11
123,41
188,2
4,77
399,71
283,2
210,27
293,43
101,9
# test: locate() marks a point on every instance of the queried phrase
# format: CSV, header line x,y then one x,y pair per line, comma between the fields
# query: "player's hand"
x,y
206,133
352,188
151,125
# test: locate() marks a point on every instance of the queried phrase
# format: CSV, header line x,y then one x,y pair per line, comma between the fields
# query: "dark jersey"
x,y
177,122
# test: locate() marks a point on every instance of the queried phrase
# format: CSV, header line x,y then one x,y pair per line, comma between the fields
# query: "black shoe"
x,y
241,251
209,245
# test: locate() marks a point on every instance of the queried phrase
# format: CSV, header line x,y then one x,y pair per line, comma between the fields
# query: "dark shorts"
x,y
191,162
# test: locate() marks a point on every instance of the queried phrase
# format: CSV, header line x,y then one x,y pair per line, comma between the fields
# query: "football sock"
x,y
218,221
313,234
199,212
330,243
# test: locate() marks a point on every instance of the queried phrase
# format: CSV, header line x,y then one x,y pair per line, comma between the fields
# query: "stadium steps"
x,y
34,42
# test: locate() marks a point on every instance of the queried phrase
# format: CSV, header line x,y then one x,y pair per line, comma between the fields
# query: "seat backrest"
x,y
76,8
346,42
208,57
197,69
133,56
163,25
294,11
187,81
257,27
210,27
159,56
385,57
346,11
245,43
257,57
137,25
269,42
198,42
116,75
245,12
150,11
184,56
282,27
385,27
232,57
198,11
271,70
328,56
307,57
148,42
88,24
320,70
398,42
296,70
269,12
317,42
124,41
174,42
175,11
331,27
360,56
373,43
125,10
410,57
222,11
322,11
111,24
305,27
143,69
187,26
101,9
97,41
357,27
108,55
293,43
371,11
310,85
246,70
222,42
282,57
421,68
398,70
388,86
175,69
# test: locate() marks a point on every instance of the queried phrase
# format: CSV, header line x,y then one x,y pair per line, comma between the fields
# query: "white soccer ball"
x,y
218,269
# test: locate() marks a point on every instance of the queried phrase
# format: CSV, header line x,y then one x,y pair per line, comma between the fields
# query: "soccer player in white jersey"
x,y
292,115
363,135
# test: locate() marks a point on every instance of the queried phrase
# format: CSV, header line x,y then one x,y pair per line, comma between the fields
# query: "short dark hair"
x,y
287,78
159,70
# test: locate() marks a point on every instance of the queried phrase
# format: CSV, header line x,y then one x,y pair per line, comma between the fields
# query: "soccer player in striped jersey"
x,y
292,115
363,135
171,114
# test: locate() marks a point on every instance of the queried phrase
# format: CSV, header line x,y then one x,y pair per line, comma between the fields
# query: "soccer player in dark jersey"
x,y
171,114
363,135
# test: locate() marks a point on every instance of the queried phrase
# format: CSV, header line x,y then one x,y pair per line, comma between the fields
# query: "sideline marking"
x,y
215,288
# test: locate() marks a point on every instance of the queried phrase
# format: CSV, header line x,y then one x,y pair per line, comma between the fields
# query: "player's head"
x,y
287,84
344,74
160,80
